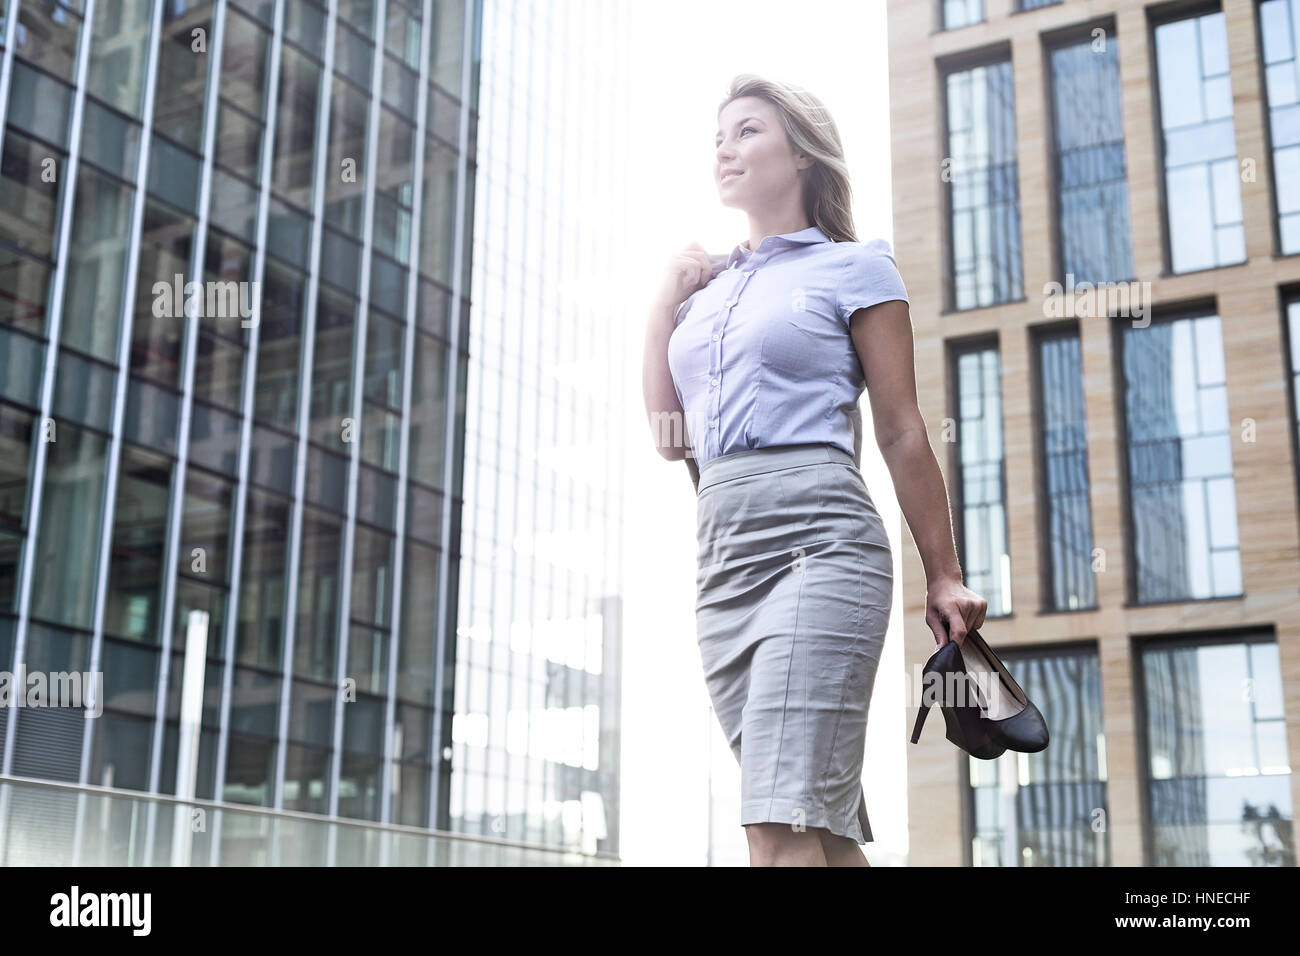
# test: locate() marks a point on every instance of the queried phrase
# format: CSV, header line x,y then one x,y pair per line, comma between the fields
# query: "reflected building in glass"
x,y
1100,202
535,746
235,257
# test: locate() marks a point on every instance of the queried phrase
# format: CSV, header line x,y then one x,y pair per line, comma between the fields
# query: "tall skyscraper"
x,y
539,644
1096,208
234,319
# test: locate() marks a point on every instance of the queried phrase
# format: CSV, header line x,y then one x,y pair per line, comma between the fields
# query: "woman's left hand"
x,y
952,610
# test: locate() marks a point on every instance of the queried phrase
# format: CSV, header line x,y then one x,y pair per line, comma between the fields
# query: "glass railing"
x,y
44,823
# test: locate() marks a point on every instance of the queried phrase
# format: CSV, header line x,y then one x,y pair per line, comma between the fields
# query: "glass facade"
x,y
983,192
1199,145
1279,21
982,539
1091,184
1182,497
536,749
233,335
1218,778
1063,446
1047,808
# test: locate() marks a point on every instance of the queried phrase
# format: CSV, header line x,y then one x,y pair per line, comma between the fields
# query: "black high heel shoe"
x,y
983,727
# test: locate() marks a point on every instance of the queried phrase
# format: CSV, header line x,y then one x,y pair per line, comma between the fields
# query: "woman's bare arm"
x,y
664,412
882,336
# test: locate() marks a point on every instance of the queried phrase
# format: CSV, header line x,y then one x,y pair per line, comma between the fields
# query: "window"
x,y
960,13
1044,809
1202,180
983,204
1035,4
1182,499
1278,20
1218,785
982,548
1069,583
1293,351
1092,211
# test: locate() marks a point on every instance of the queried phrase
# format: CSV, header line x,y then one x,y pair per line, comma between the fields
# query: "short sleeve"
x,y
683,309
869,276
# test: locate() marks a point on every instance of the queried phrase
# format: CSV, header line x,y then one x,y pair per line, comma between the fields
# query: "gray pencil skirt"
x,y
794,592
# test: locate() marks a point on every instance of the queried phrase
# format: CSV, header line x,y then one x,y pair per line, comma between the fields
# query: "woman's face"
x,y
752,141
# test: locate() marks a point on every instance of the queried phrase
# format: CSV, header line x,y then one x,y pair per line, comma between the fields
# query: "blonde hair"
x,y
827,194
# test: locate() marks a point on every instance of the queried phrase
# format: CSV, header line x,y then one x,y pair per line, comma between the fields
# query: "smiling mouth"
x,y
729,176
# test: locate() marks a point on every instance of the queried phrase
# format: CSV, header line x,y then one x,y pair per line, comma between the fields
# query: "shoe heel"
x,y
920,720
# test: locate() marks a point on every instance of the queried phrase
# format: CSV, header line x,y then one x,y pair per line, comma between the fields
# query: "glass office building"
x,y
234,307
535,749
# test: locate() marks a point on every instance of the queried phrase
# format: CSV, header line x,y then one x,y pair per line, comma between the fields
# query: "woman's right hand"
x,y
688,271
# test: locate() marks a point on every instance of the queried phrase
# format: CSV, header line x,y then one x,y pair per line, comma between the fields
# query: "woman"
x,y
762,356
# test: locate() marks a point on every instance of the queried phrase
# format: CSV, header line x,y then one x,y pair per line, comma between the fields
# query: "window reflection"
x,y
1048,808
960,13
1063,438
1092,190
984,224
1202,180
985,558
1278,23
1182,497
1218,774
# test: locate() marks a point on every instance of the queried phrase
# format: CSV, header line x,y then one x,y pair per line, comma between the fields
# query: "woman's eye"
x,y
743,130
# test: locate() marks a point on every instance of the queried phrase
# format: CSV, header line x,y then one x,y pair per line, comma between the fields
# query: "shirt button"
x,y
715,336
749,272
713,424
714,383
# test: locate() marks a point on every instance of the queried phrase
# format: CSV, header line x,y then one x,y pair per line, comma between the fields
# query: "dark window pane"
x,y
66,556
135,578
317,627
101,222
118,53
1090,173
1063,439
28,204
109,140
261,595
182,78
83,391
275,398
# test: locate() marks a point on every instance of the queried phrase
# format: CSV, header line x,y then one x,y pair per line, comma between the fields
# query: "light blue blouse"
x,y
762,355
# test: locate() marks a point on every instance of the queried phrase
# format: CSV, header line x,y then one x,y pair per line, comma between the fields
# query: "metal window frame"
x,y
53,330
390,760
240,503
438,796
175,510
125,322
306,359
361,326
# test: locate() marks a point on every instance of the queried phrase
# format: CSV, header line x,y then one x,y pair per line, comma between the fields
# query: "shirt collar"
x,y
803,237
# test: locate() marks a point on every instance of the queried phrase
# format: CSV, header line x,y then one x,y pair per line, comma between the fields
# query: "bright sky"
x,y
684,56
